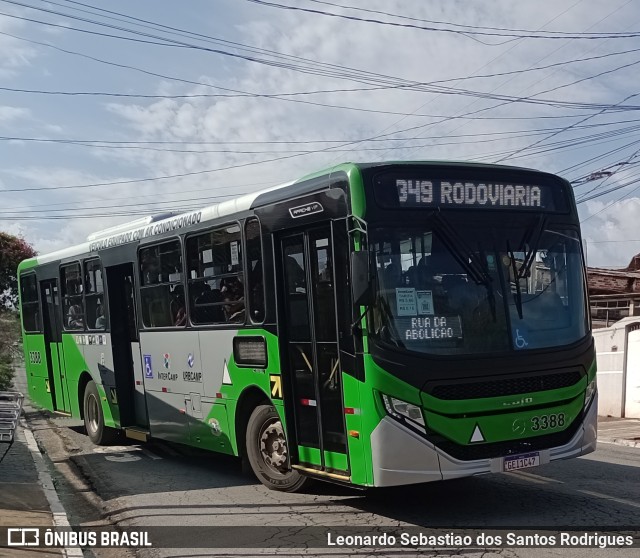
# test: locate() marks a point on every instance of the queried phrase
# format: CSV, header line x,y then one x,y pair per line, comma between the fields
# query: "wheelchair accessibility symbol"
x,y
520,341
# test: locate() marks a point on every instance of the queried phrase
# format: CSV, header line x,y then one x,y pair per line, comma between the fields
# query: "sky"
x,y
157,105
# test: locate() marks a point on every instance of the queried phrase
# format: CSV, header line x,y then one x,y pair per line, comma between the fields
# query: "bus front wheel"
x,y
267,451
94,418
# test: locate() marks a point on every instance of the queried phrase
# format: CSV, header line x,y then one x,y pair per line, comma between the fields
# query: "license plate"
x,y
521,461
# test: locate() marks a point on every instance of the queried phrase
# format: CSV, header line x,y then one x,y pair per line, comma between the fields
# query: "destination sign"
x,y
429,328
395,192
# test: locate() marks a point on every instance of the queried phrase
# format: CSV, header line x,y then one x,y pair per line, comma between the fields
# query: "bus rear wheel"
x,y
94,418
268,453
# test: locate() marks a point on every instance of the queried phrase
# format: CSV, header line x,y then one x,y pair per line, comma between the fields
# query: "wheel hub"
x,y
273,446
92,413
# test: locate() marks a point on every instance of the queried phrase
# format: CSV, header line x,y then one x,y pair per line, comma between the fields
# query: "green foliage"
x,y
9,346
6,373
12,251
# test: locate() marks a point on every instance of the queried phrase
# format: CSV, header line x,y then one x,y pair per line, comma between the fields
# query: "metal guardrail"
x,y
10,408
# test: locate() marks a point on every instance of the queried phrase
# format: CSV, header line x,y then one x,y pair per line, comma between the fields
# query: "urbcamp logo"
x,y
167,360
307,209
190,360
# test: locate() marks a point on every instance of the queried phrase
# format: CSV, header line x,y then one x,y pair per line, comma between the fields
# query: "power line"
x,y
611,204
365,77
491,108
561,131
99,144
195,173
466,32
436,22
409,87
304,142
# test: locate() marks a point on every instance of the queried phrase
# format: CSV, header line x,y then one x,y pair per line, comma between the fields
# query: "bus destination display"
x,y
415,193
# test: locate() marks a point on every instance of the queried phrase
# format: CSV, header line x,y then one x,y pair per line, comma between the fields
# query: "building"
x,y
614,293
614,296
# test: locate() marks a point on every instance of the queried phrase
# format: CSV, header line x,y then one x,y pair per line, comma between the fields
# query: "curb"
x,y
60,518
628,443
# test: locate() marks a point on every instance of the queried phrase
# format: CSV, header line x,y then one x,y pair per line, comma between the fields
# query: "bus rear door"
x,y
125,342
53,345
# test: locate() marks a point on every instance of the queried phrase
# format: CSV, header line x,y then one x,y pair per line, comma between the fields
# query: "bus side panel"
x,y
98,361
212,432
380,382
73,367
73,364
224,377
360,469
169,357
236,379
35,360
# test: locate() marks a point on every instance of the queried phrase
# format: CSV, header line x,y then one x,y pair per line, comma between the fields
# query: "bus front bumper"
x,y
401,456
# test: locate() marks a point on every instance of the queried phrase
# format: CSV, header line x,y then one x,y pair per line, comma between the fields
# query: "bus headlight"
x,y
406,413
590,392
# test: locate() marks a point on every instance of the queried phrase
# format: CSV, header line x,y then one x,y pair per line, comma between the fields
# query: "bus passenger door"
x,y
310,343
53,345
125,343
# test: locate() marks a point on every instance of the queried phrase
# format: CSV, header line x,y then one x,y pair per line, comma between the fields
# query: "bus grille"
x,y
506,386
510,447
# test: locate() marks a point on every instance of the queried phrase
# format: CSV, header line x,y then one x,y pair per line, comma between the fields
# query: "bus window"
x,y
161,291
30,307
72,297
216,279
255,286
94,295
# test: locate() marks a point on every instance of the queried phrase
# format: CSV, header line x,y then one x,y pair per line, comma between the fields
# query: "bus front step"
x,y
136,434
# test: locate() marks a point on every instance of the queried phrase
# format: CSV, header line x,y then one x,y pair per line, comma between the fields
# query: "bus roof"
x,y
134,230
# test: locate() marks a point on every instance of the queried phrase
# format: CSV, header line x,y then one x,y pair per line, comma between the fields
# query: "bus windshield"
x,y
478,289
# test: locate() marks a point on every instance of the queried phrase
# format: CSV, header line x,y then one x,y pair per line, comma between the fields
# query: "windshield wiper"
x,y
475,267
530,256
490,294
516,278
462,254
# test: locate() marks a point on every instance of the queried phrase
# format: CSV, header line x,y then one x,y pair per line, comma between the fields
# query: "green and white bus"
x,y
373,324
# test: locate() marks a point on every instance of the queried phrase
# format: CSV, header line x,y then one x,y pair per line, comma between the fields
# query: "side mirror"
x,y
360,283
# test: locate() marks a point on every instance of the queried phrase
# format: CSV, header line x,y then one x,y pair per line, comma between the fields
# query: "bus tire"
x,y
267,451
94,418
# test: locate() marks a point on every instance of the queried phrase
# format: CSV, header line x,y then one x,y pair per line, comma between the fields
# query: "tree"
x,y
9,347
13,250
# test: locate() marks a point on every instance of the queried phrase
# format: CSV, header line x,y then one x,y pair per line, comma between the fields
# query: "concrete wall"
x,y
610,342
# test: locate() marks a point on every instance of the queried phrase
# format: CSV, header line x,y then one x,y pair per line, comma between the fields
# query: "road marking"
x,y
114,449
122,457
535,478
60,518
612,498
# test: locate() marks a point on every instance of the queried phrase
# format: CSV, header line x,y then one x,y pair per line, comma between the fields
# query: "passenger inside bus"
x,y
233,294
75,319
178,311
206,310
100,319
420,276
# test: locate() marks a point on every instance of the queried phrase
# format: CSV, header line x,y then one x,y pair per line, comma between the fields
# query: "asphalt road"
x,y
171,487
